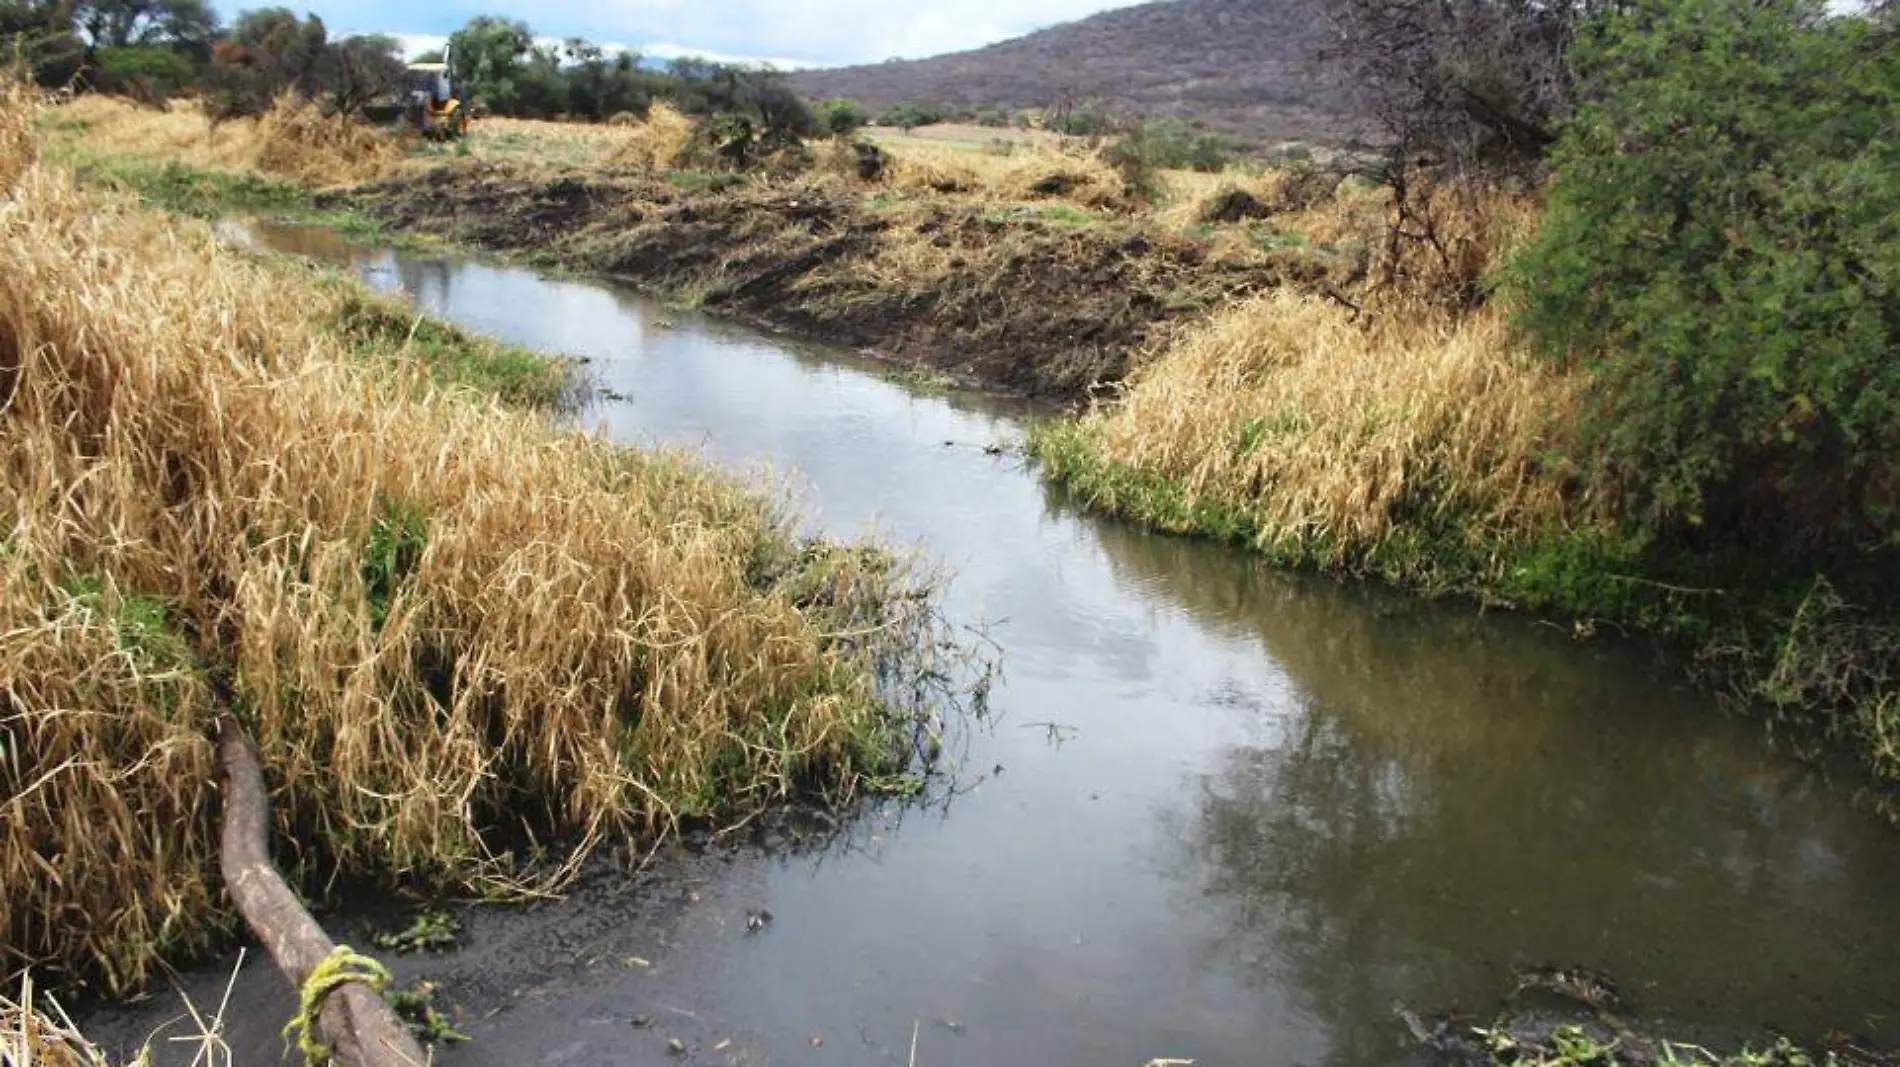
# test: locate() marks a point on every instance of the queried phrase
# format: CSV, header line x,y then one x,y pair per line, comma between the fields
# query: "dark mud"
x,y
1012,300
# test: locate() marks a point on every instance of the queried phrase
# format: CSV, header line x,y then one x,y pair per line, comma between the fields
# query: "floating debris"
x,y
1581,984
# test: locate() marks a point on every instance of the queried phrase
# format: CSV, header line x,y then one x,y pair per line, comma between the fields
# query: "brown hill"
x,y
1241,66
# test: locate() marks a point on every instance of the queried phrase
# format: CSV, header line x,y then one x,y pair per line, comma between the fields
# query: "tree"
x,y
151,73
908,117
1465,82
488,55
540,84
1722,248
188,25
266,53
39,34
358,70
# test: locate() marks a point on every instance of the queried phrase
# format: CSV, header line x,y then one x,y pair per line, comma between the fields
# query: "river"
x,y
1219,813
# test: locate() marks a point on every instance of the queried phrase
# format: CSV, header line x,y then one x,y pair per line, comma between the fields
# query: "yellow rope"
x,y
341,967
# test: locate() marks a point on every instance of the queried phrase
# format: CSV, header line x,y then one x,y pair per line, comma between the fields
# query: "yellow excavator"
x,y
431,103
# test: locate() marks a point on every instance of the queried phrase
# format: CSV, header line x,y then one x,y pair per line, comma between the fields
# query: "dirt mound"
x,y
1233,205
1018,302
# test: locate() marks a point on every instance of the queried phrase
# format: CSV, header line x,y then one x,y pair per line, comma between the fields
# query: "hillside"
x,y
1238,65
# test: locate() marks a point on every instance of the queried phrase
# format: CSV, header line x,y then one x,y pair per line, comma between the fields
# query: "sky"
x,y
786,33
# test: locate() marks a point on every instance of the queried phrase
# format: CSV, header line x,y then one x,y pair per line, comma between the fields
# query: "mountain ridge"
x,y
1239,66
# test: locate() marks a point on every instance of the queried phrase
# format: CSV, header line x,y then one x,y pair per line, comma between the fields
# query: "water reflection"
x,y
1456,795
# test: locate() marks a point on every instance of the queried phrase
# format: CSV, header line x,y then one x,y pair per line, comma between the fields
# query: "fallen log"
x,y
354,1023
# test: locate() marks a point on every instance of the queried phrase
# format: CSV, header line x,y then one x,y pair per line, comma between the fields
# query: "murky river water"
x,y
1224,814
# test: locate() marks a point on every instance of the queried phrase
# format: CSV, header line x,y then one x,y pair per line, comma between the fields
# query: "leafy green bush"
x,y
1082,120
1185,146
1722,249
841,117
144,72
910,116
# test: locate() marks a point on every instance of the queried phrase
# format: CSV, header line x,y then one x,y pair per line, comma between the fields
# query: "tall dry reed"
x,y
1329,436
444,623
292,140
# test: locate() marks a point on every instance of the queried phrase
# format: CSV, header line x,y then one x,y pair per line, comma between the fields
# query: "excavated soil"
x,y
996,295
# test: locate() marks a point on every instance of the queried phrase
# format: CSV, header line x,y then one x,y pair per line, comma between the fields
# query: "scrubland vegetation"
x,y
1651,389
469,645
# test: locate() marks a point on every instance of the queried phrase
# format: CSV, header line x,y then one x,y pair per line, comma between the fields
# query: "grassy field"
x,y
239,487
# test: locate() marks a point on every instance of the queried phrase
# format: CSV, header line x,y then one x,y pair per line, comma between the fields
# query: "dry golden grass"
x,y
36,1034
655,144
1327,433
435,617
1075,174
539,141
292,140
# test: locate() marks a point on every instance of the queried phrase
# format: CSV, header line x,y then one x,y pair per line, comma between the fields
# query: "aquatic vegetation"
x,y
432,931
415,1005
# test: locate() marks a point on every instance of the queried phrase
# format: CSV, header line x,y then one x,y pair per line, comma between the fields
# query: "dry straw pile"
x,y
436,617
1023,173
292,140
653,144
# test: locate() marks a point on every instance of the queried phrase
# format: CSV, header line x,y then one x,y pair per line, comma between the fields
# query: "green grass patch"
x,y
702,181
214,194
383,330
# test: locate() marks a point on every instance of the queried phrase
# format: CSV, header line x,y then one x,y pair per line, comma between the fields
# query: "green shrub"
x,y
841,117
910,116
1722,249
143,72
1185,145
1083,120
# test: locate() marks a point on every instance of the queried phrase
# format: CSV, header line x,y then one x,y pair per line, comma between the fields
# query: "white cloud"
x,y
415,44
676,51
795,33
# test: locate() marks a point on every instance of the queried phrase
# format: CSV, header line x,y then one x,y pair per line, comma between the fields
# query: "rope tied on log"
x,y
339,989
341,967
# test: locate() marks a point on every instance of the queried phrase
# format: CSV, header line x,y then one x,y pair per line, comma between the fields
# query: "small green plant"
x,y
416,1007
432,931
702,181
397,538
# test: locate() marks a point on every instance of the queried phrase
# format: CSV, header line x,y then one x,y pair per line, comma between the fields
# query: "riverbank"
x,y
1291,384
1030,272
470,646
